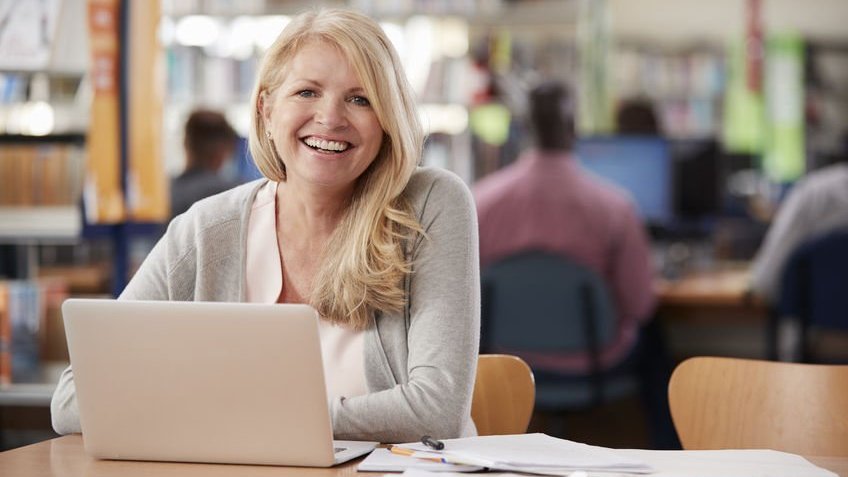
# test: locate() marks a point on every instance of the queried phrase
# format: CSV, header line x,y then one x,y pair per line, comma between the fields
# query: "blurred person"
x,y
209,143
636,117
545,201
815,206
346,222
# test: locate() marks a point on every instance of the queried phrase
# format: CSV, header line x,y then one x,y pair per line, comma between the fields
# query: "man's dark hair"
x,y
550,116
207,135
636,116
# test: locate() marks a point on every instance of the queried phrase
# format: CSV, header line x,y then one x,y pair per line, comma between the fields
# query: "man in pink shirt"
x,y
546,202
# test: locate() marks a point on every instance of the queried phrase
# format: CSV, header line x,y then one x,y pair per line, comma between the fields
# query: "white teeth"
x,y
337,146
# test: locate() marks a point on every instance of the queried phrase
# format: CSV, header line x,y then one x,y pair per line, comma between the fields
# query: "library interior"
x,y
723,125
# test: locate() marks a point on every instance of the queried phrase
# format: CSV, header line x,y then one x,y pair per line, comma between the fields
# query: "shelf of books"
x,y
42,186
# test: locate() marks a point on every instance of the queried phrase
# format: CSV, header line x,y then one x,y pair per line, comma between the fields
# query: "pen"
x,y
411,453
432,443
401,451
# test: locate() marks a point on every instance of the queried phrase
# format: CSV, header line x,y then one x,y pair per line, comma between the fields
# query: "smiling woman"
x,y
347,222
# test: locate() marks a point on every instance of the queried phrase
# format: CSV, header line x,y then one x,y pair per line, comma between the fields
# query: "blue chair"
x,y
536,303
814,289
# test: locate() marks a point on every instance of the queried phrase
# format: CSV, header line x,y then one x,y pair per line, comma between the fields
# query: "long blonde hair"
x,y
364,265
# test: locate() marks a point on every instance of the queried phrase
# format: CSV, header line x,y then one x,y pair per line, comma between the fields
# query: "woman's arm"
x,y
443,331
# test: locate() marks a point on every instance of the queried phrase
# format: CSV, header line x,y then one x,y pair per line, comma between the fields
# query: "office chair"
x,y
813,291
503,395
728,403
537,305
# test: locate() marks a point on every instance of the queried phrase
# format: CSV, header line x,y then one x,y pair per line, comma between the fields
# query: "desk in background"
x,y
709,312
718,291
65,457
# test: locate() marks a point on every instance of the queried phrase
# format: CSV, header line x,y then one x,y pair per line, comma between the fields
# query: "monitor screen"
x,y
639,164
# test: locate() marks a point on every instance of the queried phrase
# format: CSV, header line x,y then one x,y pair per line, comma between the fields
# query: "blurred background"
x,y
749,97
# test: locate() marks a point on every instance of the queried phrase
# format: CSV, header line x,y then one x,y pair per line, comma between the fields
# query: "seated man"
x,y
546,202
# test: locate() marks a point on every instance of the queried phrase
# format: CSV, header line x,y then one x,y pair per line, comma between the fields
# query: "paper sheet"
x,y
543,454
535,453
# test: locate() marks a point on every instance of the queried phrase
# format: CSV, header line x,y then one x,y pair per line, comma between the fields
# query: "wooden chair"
x,y
726,403
503,395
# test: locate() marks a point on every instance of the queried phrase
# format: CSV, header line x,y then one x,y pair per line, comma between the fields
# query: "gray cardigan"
x,y
420,363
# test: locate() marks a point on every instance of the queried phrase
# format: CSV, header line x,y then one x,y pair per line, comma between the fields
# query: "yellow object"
x,y
104,198
147,187
504,393
490,122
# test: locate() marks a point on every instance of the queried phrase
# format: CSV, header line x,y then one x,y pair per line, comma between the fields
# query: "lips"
x,y
326,145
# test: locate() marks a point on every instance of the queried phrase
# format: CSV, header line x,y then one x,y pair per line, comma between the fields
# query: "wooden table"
x,y
720,286
65,457
719,293
710,311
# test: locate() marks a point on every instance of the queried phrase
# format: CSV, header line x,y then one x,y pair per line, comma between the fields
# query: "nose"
x,y
331,113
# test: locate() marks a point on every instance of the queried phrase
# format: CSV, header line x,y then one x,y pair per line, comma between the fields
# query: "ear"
x,y
264,107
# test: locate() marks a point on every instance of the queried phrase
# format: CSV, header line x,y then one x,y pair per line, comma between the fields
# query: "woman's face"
x,y
323,125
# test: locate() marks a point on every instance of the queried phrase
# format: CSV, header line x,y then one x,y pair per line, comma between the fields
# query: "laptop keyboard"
x,y
336,450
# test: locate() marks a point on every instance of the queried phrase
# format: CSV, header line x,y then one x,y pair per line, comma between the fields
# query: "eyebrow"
x,y
355,90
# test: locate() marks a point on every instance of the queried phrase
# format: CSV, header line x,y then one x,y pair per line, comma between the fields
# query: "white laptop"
x,y
229,383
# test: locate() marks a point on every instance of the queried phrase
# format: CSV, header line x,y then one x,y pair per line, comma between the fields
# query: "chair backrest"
x,y
727,403
503,395
544,303
813,286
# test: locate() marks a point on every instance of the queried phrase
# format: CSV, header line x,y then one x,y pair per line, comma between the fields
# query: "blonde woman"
x,y
346,221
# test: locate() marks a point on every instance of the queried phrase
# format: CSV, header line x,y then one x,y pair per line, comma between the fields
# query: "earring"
x,y
268,134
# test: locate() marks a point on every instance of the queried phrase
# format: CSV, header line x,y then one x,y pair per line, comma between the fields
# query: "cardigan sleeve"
x,y
443,331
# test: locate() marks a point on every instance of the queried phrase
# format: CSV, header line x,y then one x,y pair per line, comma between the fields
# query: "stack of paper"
x,y
531,453
724,463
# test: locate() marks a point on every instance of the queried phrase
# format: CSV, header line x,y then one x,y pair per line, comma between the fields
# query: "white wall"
x,y
715,21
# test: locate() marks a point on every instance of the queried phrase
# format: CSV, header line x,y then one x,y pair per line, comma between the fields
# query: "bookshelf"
x,y
44,115
686,86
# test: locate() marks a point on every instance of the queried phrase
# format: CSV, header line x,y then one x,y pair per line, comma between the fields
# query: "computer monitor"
x,y
639,164
698,179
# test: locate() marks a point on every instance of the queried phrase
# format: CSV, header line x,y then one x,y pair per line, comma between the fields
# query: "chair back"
x,y
503,395
538,302
813,285
728,403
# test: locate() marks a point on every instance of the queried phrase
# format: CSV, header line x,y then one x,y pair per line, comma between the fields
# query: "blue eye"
x,y
307,93
360,101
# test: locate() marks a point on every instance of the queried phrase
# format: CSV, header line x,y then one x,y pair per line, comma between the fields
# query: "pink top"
x,y
545,201
341,348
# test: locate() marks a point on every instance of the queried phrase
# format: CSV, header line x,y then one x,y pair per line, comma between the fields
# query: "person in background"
x,y
209,143
636,117
347,222
815,206
545,201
